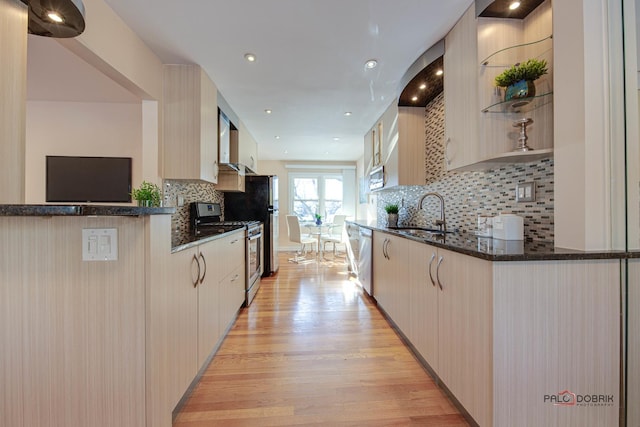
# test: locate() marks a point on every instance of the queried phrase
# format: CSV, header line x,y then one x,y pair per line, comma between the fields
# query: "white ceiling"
x,y
310,67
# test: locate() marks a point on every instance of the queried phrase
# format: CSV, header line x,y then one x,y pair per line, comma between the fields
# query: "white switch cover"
x,y
99,244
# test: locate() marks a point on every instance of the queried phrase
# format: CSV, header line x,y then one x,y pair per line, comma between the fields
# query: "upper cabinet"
x,y
247,149
397,142
481,127
190,124
461,92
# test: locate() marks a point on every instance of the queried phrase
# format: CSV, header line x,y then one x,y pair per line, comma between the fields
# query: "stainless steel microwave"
x,y
376,178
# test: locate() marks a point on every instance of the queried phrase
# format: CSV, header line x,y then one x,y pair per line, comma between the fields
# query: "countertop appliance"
x,y
365,256
206,216
508,227
258,202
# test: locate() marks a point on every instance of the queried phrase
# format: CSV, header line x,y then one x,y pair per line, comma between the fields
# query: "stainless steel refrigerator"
x,y
258,202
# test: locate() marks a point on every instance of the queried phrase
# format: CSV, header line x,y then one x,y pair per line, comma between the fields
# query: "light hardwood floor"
x,y
313,349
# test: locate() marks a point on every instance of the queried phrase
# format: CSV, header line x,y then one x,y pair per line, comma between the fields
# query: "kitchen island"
x,y
514,330
96,343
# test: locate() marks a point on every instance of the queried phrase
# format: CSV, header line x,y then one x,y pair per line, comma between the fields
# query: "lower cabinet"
x,y
451,322
391,284
506,338
191,308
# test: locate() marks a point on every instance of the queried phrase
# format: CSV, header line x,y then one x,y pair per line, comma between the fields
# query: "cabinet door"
x,y
232,293
232,277
461,92
208,299
465,325
381,285
190,124
391,284
424,301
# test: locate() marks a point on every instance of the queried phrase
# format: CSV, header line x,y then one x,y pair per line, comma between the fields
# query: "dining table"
x,y
317,230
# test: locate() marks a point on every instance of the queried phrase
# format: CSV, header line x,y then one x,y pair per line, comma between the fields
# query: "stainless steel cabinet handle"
x,y
204,273
433,256
438,273
385,250
235,278
234,241
195,282
446,151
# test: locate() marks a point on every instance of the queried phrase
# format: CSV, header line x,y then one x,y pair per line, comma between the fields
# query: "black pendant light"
x,y
56,18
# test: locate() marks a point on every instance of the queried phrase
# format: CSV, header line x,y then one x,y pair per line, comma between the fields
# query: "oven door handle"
x,y
255,236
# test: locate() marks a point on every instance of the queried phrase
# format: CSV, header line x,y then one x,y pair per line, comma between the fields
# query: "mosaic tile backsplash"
x,y
191,192
469,194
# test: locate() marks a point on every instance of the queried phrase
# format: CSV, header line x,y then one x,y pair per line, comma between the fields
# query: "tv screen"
x,y
88,179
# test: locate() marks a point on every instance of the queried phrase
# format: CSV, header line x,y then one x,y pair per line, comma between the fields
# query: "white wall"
x,y
79,129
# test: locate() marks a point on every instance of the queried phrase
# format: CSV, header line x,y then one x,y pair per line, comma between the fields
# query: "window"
x,y
316,194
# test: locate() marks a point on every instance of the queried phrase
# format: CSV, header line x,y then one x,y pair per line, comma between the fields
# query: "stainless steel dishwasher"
x,y
365,271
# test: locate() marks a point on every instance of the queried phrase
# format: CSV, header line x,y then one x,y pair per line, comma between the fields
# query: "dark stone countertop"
x,y
501,250
81,210
185,240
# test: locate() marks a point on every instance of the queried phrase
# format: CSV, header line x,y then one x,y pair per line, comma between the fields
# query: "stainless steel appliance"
x,y
365,256
259,202
353,248
254,260
205,218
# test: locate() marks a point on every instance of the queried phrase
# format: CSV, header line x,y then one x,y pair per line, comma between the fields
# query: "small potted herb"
x,y
148,195
518,80
392,215
318,219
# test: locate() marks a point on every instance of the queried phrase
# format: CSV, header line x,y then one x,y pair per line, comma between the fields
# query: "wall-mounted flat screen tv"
x,y
88,179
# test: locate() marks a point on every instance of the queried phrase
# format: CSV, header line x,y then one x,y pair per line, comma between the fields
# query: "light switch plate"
x,y
526,192
99,244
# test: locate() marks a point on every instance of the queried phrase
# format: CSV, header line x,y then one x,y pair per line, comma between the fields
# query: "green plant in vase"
x,y
148,194
518,80
392,215
318,219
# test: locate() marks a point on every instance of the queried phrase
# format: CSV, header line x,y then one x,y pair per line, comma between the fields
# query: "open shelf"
x,y
501,57
510,157
520,105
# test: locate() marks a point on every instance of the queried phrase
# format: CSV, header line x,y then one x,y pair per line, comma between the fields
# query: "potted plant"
x,y
318,219
147,195
392,215
518,80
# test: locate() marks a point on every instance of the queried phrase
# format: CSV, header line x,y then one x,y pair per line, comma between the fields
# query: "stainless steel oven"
x,y
255,259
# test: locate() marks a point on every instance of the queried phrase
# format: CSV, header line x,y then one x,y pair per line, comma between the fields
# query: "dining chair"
x,y
293,231
335,236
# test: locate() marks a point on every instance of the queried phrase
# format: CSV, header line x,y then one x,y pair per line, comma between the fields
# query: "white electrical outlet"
x,y
99,244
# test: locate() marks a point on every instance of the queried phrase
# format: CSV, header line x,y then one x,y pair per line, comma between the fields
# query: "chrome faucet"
x,y
441,223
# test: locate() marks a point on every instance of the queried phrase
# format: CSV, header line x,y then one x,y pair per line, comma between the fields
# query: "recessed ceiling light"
x,y
277,137
514,5
250,57
348,113
372,63
414,98
286,151
335,138
55,17
423,86
326,152
439,73
268,111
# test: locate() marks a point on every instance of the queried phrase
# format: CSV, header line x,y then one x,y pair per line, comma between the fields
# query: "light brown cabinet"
x,y
465,312
190,124
461,92
479,131
401,145
391,277
490,330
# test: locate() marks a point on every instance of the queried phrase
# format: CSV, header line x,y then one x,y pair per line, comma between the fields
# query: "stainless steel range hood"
x,y
56,18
